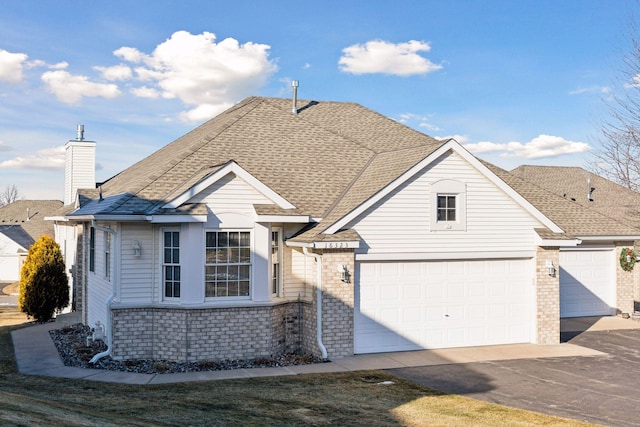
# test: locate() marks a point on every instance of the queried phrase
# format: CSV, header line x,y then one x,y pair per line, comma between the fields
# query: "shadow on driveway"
x,y
596,389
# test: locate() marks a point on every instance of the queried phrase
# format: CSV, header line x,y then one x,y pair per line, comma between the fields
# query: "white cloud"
x,y
604,90
379,56
117,72
201,72
420,121
129,54
49,158
71,88
11,66
146,92
461,139
540,147
203,112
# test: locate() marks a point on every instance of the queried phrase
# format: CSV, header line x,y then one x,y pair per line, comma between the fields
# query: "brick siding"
x,y
547,297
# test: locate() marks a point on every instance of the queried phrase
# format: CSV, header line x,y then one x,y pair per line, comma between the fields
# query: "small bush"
x,y
44,286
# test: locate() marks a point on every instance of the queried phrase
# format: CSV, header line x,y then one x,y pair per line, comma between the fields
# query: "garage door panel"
x,y
587,283
448,304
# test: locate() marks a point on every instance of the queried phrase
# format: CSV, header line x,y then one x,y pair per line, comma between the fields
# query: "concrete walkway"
x,y
36,354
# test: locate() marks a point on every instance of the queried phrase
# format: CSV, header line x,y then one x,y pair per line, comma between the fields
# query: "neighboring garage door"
x,y
587,282
438,304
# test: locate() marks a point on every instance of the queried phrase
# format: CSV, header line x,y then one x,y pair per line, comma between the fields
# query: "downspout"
x,y
318,259
108,332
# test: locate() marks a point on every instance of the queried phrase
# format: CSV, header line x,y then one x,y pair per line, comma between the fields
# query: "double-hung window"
x,y
227,264
92,249
107,255
276,271
171,263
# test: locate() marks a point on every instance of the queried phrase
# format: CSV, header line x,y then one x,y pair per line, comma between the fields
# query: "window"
x,y
227,264
446,209
171,264
448,202
107,254
92,249
276,272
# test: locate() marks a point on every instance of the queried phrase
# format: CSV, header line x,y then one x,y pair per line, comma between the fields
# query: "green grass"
x,y
348,399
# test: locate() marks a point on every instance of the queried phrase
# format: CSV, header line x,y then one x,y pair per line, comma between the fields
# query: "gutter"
x,y
318,259
109,331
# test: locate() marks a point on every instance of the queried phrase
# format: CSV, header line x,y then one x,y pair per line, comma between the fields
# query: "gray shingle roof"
x,y
574,183
310,158
24,230
574,218
326,160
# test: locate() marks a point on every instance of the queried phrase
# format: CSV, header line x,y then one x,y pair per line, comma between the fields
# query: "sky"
x,y
515,82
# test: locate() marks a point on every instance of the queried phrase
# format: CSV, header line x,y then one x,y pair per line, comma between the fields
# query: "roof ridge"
x,y
349,186
199,146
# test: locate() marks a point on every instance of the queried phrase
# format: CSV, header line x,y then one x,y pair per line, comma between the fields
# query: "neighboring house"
x,y
330,229
21,224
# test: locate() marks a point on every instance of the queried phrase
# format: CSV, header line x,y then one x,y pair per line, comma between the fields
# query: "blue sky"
x,y
516,82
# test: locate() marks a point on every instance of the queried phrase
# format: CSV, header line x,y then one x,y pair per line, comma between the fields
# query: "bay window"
x,y
227,264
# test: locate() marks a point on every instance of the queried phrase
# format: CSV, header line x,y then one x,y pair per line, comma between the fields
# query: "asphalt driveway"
x,y
597,389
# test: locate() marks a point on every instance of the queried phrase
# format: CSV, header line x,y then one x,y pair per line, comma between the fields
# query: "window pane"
x,y
234,240
245,255
451,202
234,255
221,290
243,272
244,239
243,288
211,240
210,257
442,202
223,240
451,215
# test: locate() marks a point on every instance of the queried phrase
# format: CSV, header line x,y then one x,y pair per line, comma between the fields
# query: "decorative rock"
x,y
76,350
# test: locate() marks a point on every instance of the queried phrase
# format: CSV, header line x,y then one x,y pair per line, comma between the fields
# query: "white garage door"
x,y
439,304
587,282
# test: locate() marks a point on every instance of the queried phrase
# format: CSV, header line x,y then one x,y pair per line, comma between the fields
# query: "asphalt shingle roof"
x,y
326,160
23,229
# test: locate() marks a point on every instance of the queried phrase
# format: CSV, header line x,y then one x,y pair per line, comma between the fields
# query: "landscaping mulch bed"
x,y
76,350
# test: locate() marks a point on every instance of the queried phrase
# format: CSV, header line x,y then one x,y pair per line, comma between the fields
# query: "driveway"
x,y
7,298
597,389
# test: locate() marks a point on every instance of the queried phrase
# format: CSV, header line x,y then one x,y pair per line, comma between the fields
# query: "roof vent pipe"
x,y
80,133
294,85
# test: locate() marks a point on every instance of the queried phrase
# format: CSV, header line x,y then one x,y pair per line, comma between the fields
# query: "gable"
x,y
259,192
230,193
401,221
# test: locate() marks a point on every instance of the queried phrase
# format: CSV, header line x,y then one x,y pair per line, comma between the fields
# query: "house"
x,y
326,228
21,224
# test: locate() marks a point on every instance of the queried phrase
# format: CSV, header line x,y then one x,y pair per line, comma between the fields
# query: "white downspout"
x,y
108,332
318,259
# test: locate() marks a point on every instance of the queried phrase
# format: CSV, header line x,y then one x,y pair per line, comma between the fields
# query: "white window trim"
x,y
163,294
107,255
242,298
279,291
449,187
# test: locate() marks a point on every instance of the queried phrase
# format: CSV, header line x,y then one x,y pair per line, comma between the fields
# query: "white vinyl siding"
x,y
9,259
137,273
231,194
298,274
99,288
400,222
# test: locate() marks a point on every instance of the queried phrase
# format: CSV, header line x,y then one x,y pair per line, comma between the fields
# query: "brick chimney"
x,y
79,166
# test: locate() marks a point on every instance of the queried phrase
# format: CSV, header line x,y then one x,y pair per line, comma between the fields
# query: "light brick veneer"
x,y
202,334
337,303
547,296
625,282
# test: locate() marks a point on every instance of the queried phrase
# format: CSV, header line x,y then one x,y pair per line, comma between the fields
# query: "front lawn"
x,y
354,398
